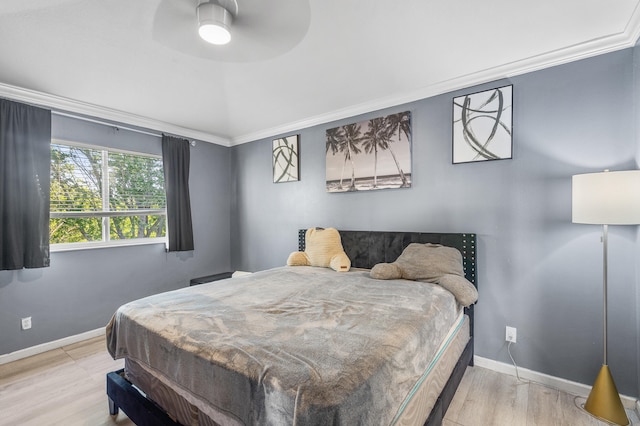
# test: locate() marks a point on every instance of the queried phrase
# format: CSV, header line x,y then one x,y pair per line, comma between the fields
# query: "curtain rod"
x,y
115,126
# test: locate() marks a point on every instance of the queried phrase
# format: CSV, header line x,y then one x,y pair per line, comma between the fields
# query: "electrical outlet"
x,y
510,334
26,323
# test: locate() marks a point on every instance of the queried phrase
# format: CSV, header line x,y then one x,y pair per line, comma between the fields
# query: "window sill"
x,y
58,248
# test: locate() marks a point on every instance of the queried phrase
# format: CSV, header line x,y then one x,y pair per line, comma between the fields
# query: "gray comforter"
x,y
292,345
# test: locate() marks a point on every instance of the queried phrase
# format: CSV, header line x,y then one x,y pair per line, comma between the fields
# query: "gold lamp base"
x,y
604,401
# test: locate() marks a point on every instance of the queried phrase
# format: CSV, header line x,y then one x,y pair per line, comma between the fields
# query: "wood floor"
x,y
61,387
485,397
67,387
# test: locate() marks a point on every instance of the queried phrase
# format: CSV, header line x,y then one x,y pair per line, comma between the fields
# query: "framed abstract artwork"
x,y
370,154
286,165
482,126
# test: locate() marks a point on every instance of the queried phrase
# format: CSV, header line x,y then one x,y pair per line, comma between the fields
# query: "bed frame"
x,y
364,249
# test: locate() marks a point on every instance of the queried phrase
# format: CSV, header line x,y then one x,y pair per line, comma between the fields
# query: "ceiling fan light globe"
x,y
214,34
214,22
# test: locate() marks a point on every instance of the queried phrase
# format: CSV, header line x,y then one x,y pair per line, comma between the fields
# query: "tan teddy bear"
x,y
323,247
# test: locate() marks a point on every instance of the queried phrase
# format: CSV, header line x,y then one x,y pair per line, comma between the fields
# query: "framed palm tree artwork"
x,y
482,125
286,163
369,155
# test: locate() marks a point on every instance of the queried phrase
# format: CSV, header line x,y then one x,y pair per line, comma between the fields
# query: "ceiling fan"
x,y
257,29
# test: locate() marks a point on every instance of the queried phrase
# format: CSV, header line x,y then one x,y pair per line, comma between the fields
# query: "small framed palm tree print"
x,y
286,165
482,125
371,154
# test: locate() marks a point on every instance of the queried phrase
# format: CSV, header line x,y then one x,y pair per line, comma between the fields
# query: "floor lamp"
x,y
606,198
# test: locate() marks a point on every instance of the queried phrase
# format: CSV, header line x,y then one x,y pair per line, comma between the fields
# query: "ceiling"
x,y
290,65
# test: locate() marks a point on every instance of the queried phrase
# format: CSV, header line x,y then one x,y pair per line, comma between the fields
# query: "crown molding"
x,y
585,50
66,105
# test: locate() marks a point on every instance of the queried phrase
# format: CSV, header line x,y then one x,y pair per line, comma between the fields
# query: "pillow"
x,y
465,293
429,262
323,247
386,271
432,263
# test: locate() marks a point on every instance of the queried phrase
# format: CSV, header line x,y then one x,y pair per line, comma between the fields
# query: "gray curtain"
x,y
25,157
176,159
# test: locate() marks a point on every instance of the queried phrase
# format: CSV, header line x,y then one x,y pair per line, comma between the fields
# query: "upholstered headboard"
x,y
367,248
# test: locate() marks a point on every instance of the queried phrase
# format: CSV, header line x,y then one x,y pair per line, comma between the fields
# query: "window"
x,y
102,197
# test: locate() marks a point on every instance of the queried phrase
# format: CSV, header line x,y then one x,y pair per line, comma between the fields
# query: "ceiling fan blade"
x,y
260,30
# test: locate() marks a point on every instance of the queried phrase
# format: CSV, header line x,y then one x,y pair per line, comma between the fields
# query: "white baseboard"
x,y
44,347
240,273
573,388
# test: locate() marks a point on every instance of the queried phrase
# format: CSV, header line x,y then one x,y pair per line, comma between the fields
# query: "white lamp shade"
x,y
214,22
606,198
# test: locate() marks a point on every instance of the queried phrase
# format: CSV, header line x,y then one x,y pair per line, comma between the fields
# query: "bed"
x,y
332,365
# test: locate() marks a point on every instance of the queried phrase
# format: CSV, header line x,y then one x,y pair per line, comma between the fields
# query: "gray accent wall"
x,y
83,288
538,272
